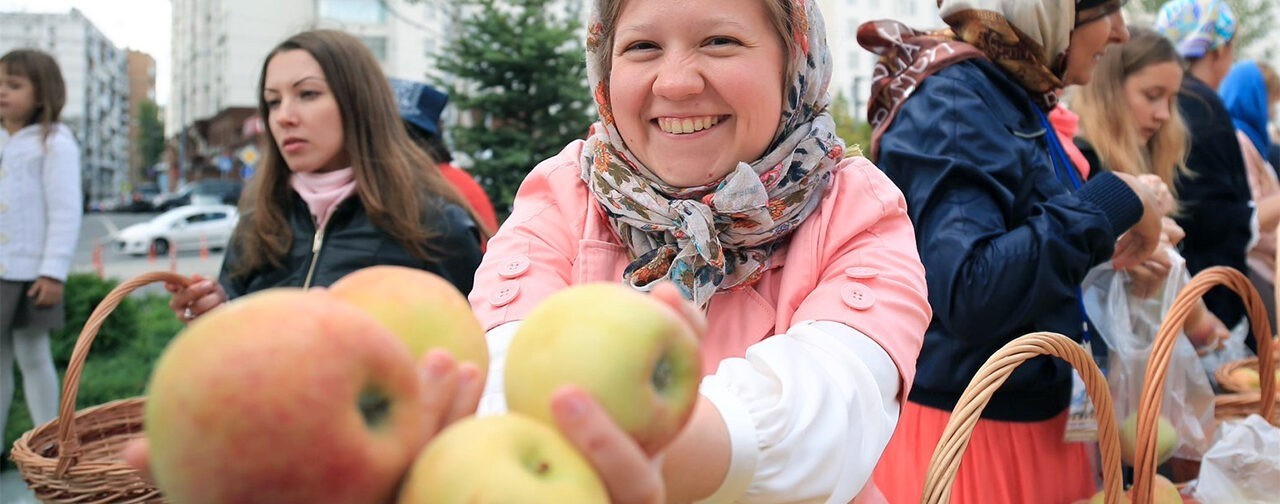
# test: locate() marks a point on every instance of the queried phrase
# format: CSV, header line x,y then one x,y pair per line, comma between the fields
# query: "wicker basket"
x,y
1152,399
76,457
1240,405
1232,384
955,439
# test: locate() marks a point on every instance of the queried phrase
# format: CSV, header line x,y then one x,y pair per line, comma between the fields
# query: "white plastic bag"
x,y
1232,349
1243,467
1128,325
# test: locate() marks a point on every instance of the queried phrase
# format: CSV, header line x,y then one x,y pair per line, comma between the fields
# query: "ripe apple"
x,y
1164,491
1166,439
1248,377
284,396
500,459
419,306
636,356
1101,498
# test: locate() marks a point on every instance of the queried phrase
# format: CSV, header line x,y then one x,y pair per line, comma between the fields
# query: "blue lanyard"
x,y
1061,163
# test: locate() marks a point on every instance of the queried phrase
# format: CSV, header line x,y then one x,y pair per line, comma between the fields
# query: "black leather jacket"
x,y
350,242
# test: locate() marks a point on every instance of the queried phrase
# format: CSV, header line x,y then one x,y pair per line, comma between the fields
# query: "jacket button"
x,y
505,293
514,267
862,272
857,296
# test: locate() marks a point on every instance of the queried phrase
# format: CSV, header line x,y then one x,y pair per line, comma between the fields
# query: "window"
x,y
354,11
376,45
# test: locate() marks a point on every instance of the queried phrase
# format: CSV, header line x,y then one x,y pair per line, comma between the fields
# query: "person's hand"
x,y
450,392
1160,190
1173,233
630,476
45,291
1137,244
195,299
1146,279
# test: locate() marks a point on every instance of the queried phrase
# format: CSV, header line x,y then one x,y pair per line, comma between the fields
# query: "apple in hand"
x,y
425,310
501,459
1166,439
284,396
636,356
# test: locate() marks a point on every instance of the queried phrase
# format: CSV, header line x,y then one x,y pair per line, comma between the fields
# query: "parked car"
x,y
218,191
142,199
187,228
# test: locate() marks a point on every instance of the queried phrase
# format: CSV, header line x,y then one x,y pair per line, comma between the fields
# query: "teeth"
x,y
687,125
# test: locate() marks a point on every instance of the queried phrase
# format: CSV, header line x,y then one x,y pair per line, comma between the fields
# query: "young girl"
x,y
715,167
39,225
341,188
1007,230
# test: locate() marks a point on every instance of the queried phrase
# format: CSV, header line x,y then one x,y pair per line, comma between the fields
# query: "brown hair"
x,y
45,76
1272,81
780,15
1105,121
395,179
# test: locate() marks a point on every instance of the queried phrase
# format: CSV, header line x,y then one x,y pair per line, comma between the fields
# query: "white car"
x,y
188,228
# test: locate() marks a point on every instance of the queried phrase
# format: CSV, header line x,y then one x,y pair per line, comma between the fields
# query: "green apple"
x,y
1248,377
421,307
501,459
636,356
284,396
1164,491
1101,498
1166,439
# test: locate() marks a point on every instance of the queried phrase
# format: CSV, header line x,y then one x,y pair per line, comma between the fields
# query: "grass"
x,y
121,357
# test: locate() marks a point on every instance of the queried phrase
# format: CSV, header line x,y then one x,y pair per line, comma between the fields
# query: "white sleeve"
x,y
1255,228
808,412
61,183
494,399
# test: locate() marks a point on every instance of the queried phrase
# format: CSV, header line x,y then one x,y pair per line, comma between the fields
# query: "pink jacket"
x,y
854,261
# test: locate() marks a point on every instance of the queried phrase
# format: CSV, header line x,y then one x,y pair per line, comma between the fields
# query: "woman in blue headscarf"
x,y
1248,91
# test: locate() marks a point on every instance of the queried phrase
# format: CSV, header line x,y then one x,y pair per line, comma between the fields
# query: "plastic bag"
x,y
1128,325
1243,466
1234,348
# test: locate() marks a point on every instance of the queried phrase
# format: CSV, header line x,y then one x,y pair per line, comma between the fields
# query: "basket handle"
x,y
68,442
955,439
1152,399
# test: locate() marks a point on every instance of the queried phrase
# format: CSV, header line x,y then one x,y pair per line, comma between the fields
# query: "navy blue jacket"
x,y
1217,206
1005,242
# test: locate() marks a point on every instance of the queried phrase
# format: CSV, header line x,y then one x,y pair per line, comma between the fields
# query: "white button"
x,y
862,272
505,293
514,267
858,296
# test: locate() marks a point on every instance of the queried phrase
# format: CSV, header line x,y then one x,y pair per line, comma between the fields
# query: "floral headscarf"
x,y
1026,39
1196,26
720,236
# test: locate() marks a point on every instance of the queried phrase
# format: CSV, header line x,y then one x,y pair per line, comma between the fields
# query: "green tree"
x,y
1254,18
150,134
515,73
856,133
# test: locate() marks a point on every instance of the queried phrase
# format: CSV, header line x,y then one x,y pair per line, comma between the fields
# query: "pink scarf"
x,y
323,191
1066,124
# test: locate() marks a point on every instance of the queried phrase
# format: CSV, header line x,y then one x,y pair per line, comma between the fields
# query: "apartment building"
x,y
853,65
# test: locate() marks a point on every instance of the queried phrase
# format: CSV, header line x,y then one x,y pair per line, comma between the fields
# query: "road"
x,y
97,229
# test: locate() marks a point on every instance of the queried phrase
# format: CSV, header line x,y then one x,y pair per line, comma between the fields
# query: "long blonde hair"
x,y
1105,121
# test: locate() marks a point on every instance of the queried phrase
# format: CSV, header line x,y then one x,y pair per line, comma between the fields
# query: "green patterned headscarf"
x,y
720,236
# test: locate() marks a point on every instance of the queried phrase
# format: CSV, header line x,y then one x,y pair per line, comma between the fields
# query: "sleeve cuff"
x,y
494,399
745,448
1122,207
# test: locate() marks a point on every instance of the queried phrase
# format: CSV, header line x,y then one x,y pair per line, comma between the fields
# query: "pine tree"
x,y
516,75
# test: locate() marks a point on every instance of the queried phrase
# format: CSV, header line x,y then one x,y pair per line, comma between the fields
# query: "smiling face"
x,y
302,114
1089,42
1150,94
696,87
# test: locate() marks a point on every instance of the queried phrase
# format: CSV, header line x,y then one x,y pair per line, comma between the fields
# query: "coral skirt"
x,y
1006,462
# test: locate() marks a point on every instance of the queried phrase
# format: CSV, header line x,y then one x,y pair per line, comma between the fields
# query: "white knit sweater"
x,y
40,199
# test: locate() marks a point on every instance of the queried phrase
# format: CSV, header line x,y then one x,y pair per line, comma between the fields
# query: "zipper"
x,y
316,243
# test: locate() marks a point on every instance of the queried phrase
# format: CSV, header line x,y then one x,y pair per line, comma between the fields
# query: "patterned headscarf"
x,y
720,236
1026,39
1196,26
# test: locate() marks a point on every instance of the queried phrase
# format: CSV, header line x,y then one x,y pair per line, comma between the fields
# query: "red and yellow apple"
x,y
1166,439
500,459
1163,491
635,355
284,396
421,307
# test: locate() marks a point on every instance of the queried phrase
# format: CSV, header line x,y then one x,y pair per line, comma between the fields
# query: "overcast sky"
x,y
142,25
